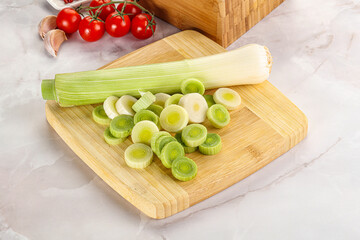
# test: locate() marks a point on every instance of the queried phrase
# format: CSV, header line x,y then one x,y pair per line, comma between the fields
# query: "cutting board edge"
x,y
151,209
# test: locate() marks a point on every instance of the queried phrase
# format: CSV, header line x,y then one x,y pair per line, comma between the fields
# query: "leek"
x,y
250,64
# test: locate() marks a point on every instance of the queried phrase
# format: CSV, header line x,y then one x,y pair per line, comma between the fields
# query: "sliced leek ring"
x,y
174,118
184,169
192,85
161,99
144,102
196,107
218,115
138,155
194,135
174,99
227,97
212,144
124,105
143,132
100,116
109,106
170,152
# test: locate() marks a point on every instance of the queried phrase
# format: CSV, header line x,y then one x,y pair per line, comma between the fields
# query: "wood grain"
x,y
223,21
265,126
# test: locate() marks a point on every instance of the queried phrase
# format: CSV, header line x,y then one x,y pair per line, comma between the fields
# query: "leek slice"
x,y
186,148
218,116
143,132
100,116
124,105
144,102
110,139
174,118
192,85
212,144
196,107
109,107
227,97
163,141
209,100
161,99
155,137
138,155
143,115
157,109
121,126
184,169
194,135
174,99
170,152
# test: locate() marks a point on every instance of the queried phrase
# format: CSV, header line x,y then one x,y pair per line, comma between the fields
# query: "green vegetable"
x,y
100,116
209,100
109,106
164,141
138,155
212,144
143,132
218,116
227,97
161,99
155,137
196,107
184,169
250,64
157,109
170,152
110,139
192,85
124,105
144,102
121,126
174,118
174,99
194,135
143,115
186,148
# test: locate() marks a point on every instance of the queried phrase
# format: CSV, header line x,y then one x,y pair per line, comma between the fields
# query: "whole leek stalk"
x,y
250,64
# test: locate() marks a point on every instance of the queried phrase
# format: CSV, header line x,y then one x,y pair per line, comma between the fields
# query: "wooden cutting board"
x,y
266,126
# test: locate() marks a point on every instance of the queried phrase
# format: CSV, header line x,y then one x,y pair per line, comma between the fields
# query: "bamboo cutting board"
x,y
266,126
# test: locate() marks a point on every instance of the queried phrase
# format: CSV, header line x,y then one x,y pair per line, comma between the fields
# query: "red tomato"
x,y
130,9
91,29
68,20
141,26
115,25
105,11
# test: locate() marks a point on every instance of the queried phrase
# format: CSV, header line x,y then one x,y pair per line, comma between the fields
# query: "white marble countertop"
x,y
311,192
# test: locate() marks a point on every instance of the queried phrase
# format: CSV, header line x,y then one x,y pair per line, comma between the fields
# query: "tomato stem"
x,y
115,2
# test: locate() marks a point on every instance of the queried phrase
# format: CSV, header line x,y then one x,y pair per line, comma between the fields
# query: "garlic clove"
x,y
47,23
53,40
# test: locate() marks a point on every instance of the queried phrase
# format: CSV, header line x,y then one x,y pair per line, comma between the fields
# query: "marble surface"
x,y
311,192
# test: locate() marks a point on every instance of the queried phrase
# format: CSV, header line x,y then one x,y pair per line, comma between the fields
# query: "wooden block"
x,y
265,126
223,21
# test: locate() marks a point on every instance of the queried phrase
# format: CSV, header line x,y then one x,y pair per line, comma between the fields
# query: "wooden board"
x,y
224,21
266,126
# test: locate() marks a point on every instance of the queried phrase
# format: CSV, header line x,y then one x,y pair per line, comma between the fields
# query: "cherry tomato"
x,y
130,9
141,26
115,25
105,11
68,20
91,29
